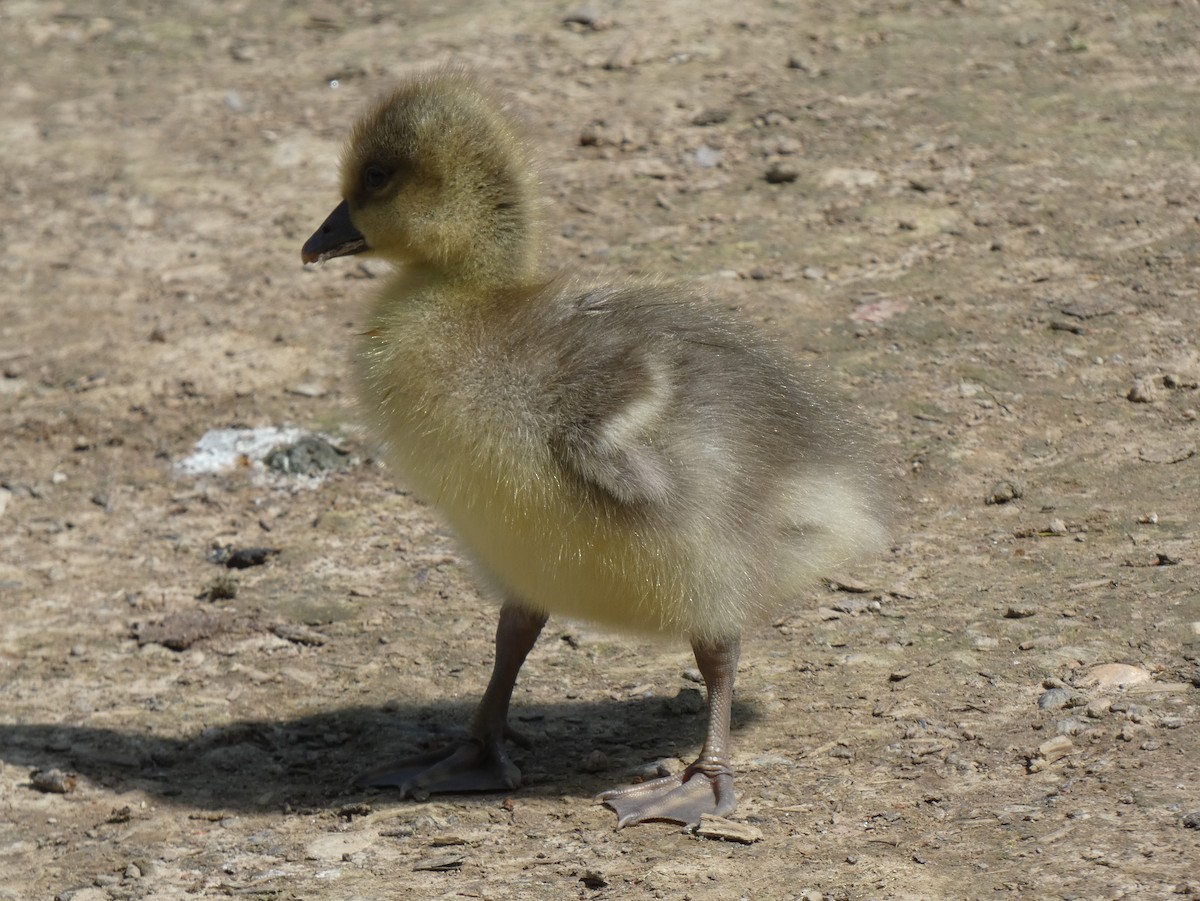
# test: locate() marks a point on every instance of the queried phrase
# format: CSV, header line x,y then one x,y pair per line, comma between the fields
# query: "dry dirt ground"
x,y
982,218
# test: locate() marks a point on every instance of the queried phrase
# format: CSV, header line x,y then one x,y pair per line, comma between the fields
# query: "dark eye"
x,y
374,178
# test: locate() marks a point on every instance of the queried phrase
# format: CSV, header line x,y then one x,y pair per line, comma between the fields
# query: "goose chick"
x,y
622,454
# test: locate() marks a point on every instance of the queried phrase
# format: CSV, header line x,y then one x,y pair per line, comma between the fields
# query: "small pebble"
x,y
1070,725
1191,820
588,16
1054,699
626,56
595,762
712,116
845,583
1004,491
440,864
1049,751
1098,708
1132,732
1055,748
654,770
727,830
1142,392
53,781
781,173
241,558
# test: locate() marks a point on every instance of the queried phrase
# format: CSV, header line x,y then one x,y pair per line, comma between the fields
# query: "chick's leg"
x,y
707,785
480,762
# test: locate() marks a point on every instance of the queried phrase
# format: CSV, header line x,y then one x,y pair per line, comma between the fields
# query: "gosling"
x,y
622,454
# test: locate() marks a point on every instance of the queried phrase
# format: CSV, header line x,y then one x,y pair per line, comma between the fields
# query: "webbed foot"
x,y
469,766
673,799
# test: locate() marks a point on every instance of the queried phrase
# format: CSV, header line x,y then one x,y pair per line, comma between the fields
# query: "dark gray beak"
x,y
337,237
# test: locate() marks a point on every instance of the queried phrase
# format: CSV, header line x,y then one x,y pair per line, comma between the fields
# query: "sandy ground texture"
x,y
982,218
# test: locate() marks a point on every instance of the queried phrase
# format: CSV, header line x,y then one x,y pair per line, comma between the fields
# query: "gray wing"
x,y
608,433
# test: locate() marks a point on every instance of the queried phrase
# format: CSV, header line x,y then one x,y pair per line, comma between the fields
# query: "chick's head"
x,y
434,175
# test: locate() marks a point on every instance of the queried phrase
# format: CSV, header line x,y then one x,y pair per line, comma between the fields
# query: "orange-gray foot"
x,y
472,766
674,799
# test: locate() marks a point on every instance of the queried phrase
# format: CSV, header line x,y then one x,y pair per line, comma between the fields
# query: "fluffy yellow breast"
x,y
466,428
